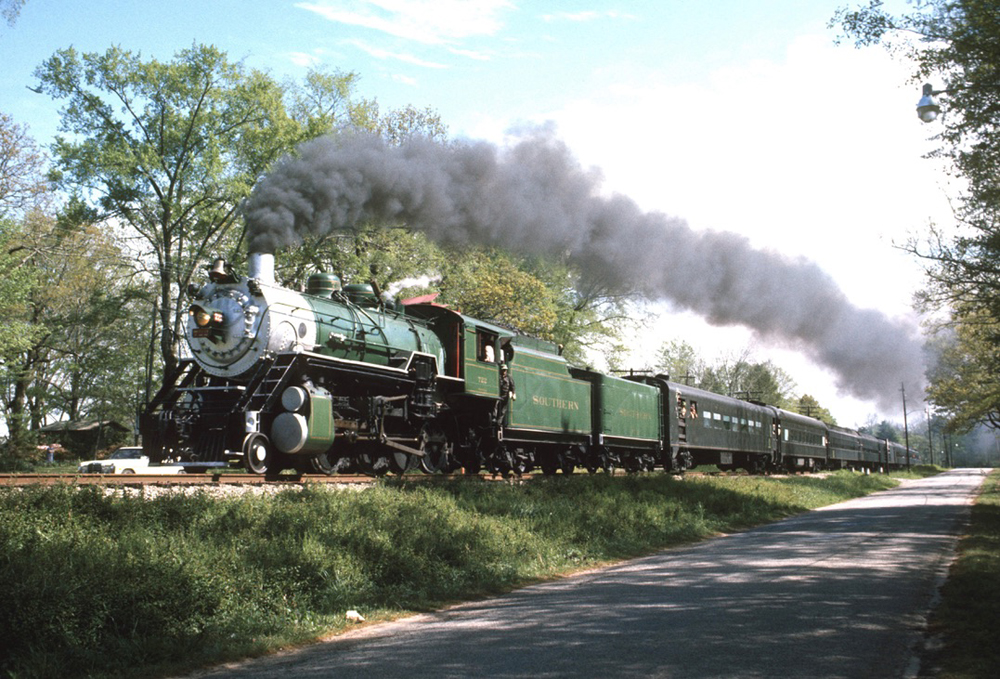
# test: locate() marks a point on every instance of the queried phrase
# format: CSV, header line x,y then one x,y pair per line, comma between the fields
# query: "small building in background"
x,y
84,438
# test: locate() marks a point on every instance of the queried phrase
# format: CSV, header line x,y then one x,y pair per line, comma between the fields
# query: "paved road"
x,y
839,592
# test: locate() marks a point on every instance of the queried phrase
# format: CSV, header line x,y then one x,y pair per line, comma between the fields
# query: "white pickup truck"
x,y
128,460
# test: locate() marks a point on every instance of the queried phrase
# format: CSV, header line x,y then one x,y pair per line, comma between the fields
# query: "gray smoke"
x,y
535,198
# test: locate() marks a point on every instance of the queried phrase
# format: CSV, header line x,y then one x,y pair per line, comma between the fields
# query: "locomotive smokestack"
x,y
260,265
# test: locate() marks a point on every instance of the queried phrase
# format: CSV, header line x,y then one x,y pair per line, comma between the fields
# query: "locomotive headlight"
x,y
209,323
204,317
201,316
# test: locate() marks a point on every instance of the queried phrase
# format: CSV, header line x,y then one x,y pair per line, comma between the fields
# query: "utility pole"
x,y
906,428
930,437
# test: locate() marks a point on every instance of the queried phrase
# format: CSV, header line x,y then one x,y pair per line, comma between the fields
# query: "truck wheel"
x,y
259,456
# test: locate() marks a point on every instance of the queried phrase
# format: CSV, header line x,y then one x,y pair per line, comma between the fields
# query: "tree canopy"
x,y
955,46
10,10
170,149
737,375
22,189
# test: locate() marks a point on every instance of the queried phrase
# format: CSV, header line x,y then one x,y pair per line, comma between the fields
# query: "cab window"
x,y
486,343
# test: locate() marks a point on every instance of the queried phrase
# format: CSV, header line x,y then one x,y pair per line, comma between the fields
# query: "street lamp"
x,y
927,107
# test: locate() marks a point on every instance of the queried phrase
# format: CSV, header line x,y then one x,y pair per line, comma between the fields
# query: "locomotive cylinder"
x,y
307,425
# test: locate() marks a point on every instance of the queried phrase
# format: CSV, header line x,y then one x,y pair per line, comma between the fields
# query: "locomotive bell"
x,y
219,273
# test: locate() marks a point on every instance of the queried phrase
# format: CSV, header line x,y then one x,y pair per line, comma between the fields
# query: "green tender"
x,y
549,400
624,412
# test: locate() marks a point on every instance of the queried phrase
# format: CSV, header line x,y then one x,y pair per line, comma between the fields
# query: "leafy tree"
x,y
963,380
16,283
882,429
955,45
808,405
10,10
680,361
78,360
22,192
372,253
488,284
398,125
170,149
22,184
591,318
737,375
887,430
322,103
741,377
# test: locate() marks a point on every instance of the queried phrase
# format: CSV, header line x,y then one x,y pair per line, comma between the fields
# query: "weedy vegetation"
x,y
123,586
968,616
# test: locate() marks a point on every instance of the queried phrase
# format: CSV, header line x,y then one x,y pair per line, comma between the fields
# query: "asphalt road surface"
x,y
839,592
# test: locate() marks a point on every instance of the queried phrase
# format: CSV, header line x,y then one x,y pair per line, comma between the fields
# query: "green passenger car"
x,y
845,448
719,430
801,441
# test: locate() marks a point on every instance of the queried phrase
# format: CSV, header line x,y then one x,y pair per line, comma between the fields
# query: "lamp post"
x,y
928,108
906,428
930,435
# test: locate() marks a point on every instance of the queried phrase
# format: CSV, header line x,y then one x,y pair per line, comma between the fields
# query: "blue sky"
x,y
464,58
734,115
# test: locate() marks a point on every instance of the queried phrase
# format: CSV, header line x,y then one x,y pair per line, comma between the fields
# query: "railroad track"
x,y
218,479
249,480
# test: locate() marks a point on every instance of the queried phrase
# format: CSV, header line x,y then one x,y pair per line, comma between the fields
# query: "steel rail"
x,y
224,479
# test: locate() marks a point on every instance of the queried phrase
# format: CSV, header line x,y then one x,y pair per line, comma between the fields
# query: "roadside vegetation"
x,y
120,586
969,613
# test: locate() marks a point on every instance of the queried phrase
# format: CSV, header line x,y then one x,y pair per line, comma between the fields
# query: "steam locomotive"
x,y
336,379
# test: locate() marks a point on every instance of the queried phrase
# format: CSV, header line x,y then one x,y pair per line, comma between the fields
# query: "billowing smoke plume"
x,y
535,198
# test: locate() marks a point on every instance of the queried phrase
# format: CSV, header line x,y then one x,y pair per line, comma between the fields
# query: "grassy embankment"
x,y
116,585
968,616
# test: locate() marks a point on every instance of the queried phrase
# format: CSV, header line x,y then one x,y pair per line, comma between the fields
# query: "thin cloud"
x,y
587,15
405,80
430,22
379,53
303,59
471,54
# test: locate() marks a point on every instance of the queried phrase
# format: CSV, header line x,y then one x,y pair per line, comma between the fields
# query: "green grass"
x,y
968,616
118,586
